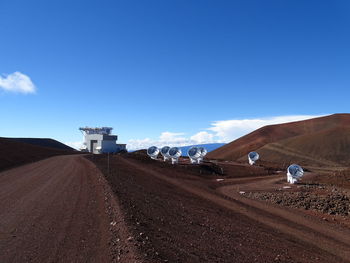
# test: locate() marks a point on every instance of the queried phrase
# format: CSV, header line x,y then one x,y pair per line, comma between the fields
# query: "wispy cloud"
x,y
229,130
203,137
220,131
165,138
17,82
75,145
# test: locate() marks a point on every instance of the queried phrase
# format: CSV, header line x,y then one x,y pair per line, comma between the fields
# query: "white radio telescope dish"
x,y
203,151
253,157
194,153
153,152
165,152
174,154
294,173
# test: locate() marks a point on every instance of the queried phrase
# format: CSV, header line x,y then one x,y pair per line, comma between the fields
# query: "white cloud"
x,y
230,130
165,138
136,144
221,131
75,145
203,137
17,82
171,137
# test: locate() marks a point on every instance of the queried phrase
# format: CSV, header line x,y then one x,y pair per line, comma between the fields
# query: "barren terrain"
x,y
318,142
63,209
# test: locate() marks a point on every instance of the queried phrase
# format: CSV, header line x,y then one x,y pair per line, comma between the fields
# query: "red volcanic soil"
x,y
323,141
177,214
18,151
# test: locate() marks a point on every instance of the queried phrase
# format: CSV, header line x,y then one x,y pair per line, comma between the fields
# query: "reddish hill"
x,y
14,152
324,148
45,142
320,141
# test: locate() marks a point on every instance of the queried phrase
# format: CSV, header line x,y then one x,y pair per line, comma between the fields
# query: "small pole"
x,y
108,162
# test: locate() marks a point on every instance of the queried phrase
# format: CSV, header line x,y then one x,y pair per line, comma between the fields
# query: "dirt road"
x,y
60,210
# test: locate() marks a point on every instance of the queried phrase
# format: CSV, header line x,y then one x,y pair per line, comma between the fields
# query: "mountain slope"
x,y
14,153
324,148
45,142
323,140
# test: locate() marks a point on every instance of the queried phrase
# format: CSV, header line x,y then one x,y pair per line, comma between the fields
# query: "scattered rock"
x,y
334,203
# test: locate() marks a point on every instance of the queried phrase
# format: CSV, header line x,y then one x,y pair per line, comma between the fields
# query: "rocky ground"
x,y
326,200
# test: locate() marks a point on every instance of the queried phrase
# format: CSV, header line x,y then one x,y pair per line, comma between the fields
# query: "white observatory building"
x,y
100,140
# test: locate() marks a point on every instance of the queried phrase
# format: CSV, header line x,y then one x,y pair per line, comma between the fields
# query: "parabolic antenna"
x,y
194,153
174,154
294,173
165,152
253,157
153,152
203,152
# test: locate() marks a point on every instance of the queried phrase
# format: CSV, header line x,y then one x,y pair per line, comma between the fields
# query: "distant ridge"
x,y
323,141
44,142
208,146
15,152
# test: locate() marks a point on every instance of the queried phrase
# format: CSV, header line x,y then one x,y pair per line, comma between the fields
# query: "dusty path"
x,y
59,210
314,233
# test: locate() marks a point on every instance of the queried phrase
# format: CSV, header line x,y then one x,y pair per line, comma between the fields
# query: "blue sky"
x,y
169,70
